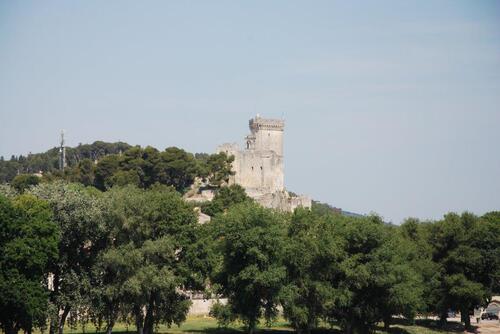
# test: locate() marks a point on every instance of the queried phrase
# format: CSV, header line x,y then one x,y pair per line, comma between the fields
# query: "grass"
x,y
207,325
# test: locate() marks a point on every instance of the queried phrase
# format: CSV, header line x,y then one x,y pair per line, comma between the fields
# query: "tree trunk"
x,y
148,320
387,322
348,327
251,326
62,320
53,294
138,319
109,326
9,328
464,315
443,318
30,328
467,323
52,326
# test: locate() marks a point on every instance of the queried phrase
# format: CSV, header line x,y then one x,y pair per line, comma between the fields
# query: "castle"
x,y
259,166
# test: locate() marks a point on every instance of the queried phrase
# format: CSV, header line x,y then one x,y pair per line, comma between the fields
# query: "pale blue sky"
x,y
390,106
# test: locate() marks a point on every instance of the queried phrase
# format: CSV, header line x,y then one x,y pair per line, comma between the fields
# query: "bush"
x,y
223,314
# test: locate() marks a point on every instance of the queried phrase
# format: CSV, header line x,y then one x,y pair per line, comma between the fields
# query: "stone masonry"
x,y
259,166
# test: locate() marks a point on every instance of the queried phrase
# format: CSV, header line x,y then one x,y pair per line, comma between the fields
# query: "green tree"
x,y
8,191
146,262
311,253
250,239
79,213
176,168
420,251
324,209
216,168
28,244
125,177
23,181
464,248
374,280
48,162
225,198
145,167
86,172
104,170
486,237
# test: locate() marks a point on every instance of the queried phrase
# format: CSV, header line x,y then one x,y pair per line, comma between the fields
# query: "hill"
x,y
49,161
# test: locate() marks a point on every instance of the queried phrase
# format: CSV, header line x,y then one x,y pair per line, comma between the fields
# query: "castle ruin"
x,y
259,166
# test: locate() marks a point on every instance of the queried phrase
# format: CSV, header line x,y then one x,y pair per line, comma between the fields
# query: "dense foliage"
x,y
48,162
250,239
28,246
224,199
79,214
105,165
121,244
149,234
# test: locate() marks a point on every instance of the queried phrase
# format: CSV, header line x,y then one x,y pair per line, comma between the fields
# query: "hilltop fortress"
x,y
259,166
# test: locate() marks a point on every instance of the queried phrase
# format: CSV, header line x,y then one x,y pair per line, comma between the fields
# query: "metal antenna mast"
x,y
62,153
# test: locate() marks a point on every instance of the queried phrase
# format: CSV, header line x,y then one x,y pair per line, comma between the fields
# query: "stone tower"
x,y
259,166
266,135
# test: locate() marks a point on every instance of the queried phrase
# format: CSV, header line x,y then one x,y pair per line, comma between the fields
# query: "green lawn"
x,y
207,325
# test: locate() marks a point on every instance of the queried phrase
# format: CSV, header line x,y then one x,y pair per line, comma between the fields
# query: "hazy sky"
x,y
391,107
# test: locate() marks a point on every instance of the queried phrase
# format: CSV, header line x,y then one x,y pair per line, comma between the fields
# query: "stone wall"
x,y
259,166
202,306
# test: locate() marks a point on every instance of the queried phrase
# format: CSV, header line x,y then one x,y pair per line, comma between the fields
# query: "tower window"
x,y
260,167
252,168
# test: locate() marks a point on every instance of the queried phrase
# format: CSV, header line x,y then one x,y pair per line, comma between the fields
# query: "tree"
x,y
86,172
79,213
216,168
250,239
122,178
324,209
176,168
145,167
400,285
311,253
146,262
486,237
28,244
104,170
48,162
225,198
8,191
419,252
374,280
23,181
465,248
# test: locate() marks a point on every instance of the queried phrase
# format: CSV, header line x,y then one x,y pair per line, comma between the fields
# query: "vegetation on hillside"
x,y
104,165
114,242
48,162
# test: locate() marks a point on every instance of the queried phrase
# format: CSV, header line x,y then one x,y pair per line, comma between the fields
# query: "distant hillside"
x,y
49,160
104,165
325,208
351,214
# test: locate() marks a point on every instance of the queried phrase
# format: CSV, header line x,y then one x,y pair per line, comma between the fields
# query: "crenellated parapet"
x,y
258,123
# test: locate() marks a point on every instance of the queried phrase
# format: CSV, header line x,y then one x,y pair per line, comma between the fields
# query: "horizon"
x,y
389,107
